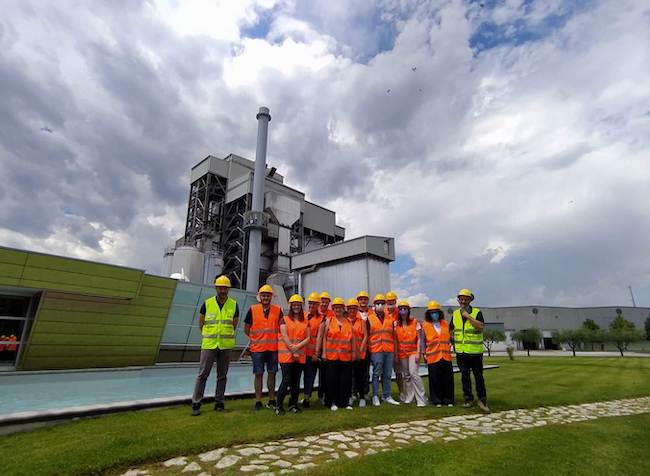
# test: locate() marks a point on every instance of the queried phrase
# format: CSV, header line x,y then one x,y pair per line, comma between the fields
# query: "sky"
x,y
504,144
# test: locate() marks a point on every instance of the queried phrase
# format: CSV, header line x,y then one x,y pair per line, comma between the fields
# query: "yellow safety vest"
x,y
467,339
218,331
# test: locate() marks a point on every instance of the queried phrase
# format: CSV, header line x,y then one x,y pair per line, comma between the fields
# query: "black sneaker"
x,y
295,409
258,405
196,410
305,403
279,411
218,407
271,405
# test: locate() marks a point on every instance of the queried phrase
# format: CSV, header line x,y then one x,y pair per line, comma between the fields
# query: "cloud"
x,y
510,155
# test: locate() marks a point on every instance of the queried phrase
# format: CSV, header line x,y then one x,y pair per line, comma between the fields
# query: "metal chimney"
x,y
256,220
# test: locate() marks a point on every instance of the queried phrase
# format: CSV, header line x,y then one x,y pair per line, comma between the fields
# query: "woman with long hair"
x,y
339,347
407,343
438,356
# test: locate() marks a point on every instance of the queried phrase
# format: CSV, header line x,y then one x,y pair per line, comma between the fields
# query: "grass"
x,y
124,440
616,445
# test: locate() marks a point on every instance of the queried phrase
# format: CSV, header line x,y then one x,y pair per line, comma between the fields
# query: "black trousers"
x,y
339,383
360,381
291,373
441,382
472,363
311,370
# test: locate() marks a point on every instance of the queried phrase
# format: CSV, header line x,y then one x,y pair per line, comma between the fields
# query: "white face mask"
x,y
379,307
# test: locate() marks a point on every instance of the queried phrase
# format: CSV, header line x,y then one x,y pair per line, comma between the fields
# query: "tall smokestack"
x,y
256,221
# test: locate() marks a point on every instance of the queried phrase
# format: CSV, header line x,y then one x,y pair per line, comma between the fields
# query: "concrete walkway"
x,y
293,454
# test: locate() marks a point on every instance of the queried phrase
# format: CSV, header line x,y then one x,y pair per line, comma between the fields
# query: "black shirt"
x,y
479,317
202,311
249,316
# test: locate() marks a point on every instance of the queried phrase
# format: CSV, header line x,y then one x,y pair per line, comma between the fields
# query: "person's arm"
x,y
202,317
248,321
235,317
418,331
477,323
320,339
305,341
396,343
364,341
323,337
285,337
355,352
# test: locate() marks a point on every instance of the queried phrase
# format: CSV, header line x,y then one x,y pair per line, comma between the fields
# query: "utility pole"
x,y
632,295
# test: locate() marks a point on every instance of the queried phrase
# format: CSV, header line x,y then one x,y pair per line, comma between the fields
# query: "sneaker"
x,y
468,404
305,403
218,407
438,405
349,407
271,405
450,405
334,408
420,405
391,400
375,401
279,411
196,410
362,403
258,405
295,409
483,406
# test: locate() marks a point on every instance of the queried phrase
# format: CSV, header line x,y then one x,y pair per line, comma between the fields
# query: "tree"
x,y
590,324
593,332
528,338
622,337
571,337
492,336
647,328
621,323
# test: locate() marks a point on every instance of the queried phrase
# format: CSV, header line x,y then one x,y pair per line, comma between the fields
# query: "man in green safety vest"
x,y
467,333
218,322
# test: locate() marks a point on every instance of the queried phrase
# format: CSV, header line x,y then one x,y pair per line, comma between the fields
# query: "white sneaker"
x,y
483,406
391,400
334,408
450,404
375,401
420,405
362,403
350,401
438,405
349,407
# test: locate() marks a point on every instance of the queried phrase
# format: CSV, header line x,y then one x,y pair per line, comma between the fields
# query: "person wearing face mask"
x,y
381,344
438,356
391,309
407,341
467,332
313,364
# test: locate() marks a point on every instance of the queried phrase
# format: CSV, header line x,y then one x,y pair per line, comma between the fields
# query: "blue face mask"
x,y
435,315
404,312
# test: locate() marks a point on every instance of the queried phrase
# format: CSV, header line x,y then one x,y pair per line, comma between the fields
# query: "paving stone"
x,y
351,454
192,468
268,456
355,445
290,452
383,433
250,451
281,463
272,448
286,471
203,474
450,438
370,451
312,438
213,455
339,437
399,441
268,473
296,444
227,461
179,461
342,446
315,452
135,472
304,459
304,466
249,468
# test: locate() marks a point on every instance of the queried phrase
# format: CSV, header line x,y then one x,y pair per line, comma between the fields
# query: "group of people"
x,y
340,342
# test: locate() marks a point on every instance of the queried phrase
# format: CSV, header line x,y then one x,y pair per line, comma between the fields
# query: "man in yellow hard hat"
x,y
218,319
466,330
262,324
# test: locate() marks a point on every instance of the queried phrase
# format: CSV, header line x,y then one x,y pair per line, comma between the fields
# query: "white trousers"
x,y
413,386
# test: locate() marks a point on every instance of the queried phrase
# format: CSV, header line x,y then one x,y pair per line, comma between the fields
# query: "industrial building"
x,y
218,212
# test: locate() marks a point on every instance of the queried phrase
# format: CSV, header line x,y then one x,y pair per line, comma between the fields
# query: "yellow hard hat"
x,y
403,303
433,306
313,297
353,303
379,297
266,289
363,294
391,296
325,295
296,298
338,301
223,280
466,292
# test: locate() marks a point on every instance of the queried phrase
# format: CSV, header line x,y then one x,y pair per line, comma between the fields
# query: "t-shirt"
x,y
249,316
479,317
202,311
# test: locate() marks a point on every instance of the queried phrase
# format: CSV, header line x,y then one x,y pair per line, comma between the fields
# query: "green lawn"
x,y
119,441
609,446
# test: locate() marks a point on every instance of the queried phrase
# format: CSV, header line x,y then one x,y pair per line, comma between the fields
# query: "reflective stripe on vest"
x,y
358,325
296,332
381,334
438,345
467,339
218,331
314,325
264,331
407,339
339,340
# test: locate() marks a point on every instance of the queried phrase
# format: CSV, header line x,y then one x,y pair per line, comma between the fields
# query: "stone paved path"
x,y
292,454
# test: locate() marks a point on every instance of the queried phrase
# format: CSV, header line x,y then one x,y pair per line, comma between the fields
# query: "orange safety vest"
x,y
438,345
381,334
358,325
296,332
12,347
339,340
264,331
394,314
314,323
3,346
407,339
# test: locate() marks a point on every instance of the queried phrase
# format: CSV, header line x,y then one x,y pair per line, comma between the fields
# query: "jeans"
x,y
472,363
208,356
311,370
382,364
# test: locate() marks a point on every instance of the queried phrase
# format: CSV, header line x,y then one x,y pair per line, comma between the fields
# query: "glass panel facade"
x,y
13,315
